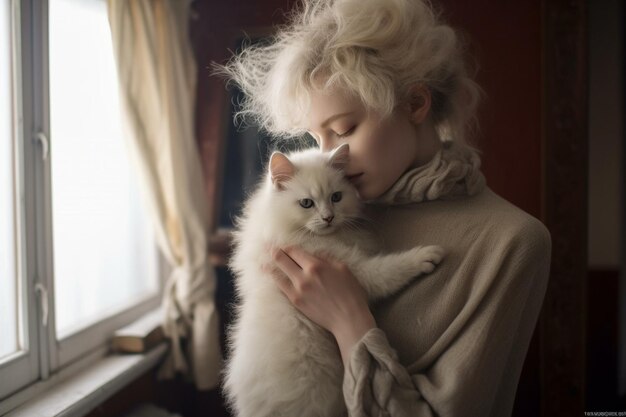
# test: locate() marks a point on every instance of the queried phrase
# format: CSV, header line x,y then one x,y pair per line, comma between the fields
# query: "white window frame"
x,y
45,355
23,367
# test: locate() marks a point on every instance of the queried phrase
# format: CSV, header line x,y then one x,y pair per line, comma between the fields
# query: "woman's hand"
x,y
325,291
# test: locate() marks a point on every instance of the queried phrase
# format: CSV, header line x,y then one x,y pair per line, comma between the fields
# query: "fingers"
x,y
285,263
301,269
301,257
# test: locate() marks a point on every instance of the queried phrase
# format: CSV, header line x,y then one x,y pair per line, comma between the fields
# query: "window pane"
x,y
104,253
8,270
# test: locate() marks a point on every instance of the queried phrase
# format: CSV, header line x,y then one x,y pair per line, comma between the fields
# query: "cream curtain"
x,y
157,83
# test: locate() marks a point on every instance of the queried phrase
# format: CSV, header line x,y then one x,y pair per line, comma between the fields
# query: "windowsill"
x,y
85,390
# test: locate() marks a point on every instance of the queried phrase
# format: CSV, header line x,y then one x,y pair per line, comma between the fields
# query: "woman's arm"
x,y
350,333
477,372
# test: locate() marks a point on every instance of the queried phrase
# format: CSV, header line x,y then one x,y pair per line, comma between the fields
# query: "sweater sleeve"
x,y
477,372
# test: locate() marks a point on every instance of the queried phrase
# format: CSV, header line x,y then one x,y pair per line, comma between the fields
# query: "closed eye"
x,y
347,132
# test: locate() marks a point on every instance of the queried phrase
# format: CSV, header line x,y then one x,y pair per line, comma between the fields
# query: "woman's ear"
x,y
419,103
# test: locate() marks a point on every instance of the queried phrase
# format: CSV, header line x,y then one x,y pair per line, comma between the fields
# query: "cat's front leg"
x,y
383,275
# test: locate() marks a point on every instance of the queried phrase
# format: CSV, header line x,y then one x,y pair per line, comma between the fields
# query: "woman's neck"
x,y
453,172
428,143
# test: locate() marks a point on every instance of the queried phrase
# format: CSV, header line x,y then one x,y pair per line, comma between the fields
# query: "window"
x,y
19,350
9,343
101,261
77,254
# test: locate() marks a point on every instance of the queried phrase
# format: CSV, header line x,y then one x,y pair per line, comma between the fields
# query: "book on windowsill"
x,y
139,336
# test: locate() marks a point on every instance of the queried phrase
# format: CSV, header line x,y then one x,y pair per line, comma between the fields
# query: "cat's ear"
x,y
281,169
339,157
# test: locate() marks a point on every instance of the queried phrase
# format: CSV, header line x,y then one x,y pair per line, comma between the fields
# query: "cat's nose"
x,y
328,219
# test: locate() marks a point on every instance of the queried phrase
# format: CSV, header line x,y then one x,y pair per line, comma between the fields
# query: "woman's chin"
x,y
363,193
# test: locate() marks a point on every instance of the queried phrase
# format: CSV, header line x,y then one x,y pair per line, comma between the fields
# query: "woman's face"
x,y
380,150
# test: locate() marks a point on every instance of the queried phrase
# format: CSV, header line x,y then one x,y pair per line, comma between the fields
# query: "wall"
x,y
606,135
505,38
605,218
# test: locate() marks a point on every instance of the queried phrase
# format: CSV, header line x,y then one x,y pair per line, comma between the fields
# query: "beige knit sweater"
x,y
454,341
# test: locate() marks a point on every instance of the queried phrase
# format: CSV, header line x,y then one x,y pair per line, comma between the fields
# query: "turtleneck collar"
x,y
453,172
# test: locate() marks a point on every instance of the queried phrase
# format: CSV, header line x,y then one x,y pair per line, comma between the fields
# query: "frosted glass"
x,y
104,252
8,271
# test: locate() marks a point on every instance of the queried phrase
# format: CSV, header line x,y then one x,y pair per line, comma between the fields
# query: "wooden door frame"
x,y
565,185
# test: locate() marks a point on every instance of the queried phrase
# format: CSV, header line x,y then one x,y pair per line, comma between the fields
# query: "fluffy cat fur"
x,y
281,363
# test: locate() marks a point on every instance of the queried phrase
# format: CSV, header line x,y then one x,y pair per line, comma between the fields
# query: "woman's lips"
x,y
354,177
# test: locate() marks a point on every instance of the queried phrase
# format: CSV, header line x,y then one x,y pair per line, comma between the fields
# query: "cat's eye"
x,y
306,203
336,197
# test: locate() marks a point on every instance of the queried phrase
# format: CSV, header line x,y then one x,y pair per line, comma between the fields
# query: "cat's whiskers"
x,y
359,220
302,230
355,222
351,227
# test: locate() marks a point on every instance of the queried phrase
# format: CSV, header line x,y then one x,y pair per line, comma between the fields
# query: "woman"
x,y
387,77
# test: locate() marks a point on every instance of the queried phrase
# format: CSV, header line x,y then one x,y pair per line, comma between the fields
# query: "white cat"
x,y
281,363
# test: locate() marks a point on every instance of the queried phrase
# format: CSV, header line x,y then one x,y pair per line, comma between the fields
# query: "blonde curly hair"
x,y
375,49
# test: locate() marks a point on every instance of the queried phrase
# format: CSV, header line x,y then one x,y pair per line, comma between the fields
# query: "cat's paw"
x,y
429,257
